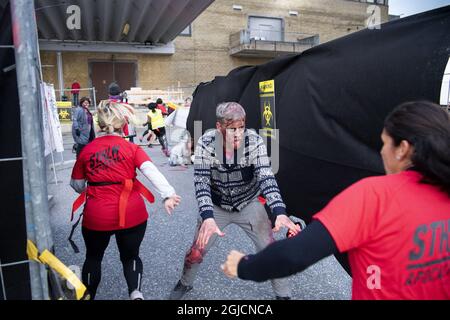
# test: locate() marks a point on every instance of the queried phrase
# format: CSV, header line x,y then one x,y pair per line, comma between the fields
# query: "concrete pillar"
x,y
59,63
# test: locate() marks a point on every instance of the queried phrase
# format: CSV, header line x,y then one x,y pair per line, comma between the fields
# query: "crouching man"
x,y
231,169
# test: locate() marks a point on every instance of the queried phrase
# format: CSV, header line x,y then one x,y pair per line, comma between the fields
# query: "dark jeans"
x,y
75,98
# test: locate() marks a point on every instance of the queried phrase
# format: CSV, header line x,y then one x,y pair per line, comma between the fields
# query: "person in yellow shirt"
x,y
156,124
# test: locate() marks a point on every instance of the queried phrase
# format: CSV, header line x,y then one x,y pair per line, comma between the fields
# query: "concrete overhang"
x,y
127,22
106,47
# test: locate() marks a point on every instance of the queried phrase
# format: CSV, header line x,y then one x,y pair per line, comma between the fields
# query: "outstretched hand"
x,y
208,228
230,266
171,203
284,221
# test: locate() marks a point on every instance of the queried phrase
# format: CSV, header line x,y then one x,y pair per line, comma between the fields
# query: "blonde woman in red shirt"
x,y
113,197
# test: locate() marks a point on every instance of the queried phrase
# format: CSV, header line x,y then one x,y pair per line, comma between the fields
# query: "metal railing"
x,y
66,95
247,36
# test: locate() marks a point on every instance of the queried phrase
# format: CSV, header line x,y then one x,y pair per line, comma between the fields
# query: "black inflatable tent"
x,y
331,101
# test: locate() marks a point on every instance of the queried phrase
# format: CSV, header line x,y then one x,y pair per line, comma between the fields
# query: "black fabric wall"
x,y
12,211
331,101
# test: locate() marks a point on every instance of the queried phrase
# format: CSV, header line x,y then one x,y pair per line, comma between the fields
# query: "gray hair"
x,y
230,111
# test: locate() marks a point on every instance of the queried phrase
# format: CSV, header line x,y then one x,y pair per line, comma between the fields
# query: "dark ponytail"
x,y
152,106
426,126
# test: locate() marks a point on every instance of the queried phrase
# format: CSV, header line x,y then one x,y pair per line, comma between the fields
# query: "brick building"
x,y
228,34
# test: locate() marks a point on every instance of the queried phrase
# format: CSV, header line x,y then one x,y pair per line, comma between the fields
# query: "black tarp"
x,y
16,279
331,101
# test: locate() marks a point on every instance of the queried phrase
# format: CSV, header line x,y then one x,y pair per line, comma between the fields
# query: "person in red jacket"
x,y
113,202
395,228
160,105
75,92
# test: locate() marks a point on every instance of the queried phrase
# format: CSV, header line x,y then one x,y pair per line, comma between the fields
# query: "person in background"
x,y
113,202
83,130
395,228
116,95
180,154
75,92
160,105
124,97
155,123
187,102
114,92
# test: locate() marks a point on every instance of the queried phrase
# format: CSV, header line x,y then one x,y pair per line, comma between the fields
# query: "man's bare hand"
x,y
207,229
284,221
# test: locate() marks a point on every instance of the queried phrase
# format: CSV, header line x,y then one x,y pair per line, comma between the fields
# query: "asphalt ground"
x,y
169,237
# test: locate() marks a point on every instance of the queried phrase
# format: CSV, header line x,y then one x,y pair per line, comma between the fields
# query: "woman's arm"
x,y
289,256
157,179
79,185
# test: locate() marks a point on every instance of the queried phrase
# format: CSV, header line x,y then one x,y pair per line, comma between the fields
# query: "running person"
x,y
114,205
156,124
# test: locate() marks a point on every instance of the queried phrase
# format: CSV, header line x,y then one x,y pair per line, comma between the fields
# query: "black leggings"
x,y
128,242
161,135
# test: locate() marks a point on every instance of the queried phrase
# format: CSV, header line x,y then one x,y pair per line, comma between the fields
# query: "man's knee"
x,y
263,231
194,256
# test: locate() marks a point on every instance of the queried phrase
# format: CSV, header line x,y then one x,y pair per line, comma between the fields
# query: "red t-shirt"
x,y
396,233
110,159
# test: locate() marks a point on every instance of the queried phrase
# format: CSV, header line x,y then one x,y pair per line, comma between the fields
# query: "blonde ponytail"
x,y
112,116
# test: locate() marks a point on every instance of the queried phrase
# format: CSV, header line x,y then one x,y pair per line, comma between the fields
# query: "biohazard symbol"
x,y
267,114
64,115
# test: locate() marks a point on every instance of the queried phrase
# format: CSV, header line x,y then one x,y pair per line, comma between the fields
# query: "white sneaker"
x,y
136,295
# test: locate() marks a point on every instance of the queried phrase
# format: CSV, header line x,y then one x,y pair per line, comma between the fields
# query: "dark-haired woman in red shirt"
x,y
395,228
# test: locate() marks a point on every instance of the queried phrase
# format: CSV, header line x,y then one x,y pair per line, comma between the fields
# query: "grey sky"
x,y
410,7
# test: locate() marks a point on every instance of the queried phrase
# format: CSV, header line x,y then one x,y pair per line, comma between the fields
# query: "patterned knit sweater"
x,y
232,184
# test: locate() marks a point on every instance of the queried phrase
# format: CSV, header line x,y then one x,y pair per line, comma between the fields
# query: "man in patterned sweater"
x,y
231,169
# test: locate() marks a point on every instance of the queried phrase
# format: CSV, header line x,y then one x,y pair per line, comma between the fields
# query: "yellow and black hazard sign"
x,y
267,101
64,111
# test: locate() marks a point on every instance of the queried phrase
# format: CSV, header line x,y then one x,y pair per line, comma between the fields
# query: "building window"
x,y
187,32
266,28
